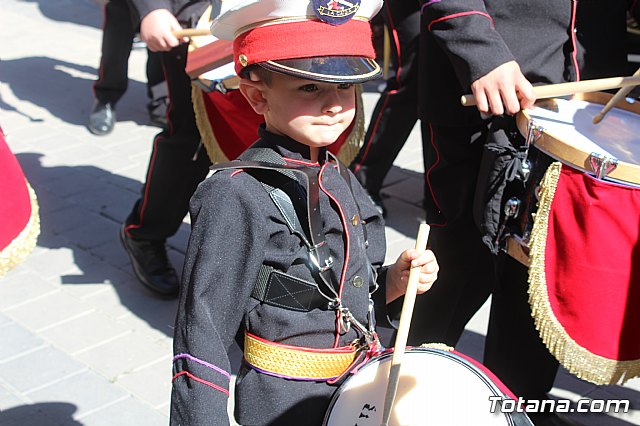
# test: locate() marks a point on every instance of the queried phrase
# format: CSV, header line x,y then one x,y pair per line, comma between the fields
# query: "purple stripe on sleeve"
x,y
429,3
201,362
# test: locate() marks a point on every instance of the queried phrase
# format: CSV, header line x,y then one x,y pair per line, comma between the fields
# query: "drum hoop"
x,y
452,356
572,155
518,250
227,83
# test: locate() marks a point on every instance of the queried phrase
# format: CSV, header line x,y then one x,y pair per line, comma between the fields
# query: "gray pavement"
x,y
81,342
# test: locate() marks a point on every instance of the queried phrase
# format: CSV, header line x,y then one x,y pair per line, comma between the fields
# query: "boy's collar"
x,y
293,148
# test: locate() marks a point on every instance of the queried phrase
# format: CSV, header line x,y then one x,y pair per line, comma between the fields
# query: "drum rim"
x,y
451,355
574,156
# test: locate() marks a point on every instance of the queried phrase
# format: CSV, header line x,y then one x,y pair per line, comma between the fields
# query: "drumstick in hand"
x,y
192,32
403,327
565,89
620,95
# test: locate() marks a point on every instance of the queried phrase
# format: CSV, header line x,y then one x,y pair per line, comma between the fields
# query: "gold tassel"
x,y
575,358
204,126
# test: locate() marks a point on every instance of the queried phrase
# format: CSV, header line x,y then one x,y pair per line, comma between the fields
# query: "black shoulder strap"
x,y
321,261
267,159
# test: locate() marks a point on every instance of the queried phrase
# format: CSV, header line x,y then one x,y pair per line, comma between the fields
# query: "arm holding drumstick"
x,y
157,30
571,88
503,90
162,31
413,286
418,261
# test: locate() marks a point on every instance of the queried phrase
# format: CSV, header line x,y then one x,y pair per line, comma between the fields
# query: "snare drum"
x,y
578,229
210,60
562,130
436,387
227,123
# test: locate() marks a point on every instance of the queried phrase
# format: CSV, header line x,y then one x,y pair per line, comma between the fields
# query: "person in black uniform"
x,y
251,274
473,158
178,161
117,39
396,111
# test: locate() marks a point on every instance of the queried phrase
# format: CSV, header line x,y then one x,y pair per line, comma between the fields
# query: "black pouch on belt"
x,y
501,176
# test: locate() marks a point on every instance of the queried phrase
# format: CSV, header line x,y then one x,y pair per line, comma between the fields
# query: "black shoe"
x,y
151,265
102,119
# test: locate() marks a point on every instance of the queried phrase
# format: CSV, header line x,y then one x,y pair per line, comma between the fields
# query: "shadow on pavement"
x,y
65,90
81,210
41,414
80,12
402,195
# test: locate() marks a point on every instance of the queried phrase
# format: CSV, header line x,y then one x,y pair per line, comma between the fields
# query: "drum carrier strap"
x,y
275,287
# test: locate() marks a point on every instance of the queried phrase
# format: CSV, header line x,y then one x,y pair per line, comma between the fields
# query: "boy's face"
x,y
312,113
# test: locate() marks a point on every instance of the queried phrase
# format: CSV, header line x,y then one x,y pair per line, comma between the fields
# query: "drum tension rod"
x,y
602,164
533,133
511,210
211,86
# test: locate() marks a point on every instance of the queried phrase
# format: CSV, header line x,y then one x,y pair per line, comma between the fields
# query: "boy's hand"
x,y
156,29
504,90
398,273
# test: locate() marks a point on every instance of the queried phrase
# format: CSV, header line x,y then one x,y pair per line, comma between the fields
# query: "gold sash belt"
x,y
295,362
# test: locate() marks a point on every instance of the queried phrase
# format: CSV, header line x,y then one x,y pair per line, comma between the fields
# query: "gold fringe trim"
x,y
575,358
347,153
23,244
297,363
439,346
204,126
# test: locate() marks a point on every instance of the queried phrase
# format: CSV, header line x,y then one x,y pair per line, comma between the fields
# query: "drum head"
x,y
569,135
435,388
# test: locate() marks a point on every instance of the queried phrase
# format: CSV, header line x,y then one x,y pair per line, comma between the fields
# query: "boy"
x,y
285,246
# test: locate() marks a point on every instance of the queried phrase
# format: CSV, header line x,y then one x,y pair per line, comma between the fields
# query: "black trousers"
x,y
178,161
117,39
469,272
396,112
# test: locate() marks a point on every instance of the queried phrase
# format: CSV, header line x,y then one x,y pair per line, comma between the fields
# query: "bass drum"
x,y
436,387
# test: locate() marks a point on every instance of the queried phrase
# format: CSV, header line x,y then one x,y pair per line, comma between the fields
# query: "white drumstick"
x,y
403,327
191,32
620,95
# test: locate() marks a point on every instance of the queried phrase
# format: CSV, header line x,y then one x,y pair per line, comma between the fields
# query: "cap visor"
x,y
330,69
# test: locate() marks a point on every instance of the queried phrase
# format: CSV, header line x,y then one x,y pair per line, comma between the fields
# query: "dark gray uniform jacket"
x,y
553,41
236,228
465,39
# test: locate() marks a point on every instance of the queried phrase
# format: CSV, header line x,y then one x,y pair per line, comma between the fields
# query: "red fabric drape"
x,y
592,265
235,124
15,202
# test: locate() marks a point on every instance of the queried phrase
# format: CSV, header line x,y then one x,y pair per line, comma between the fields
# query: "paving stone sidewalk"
x,y
81,342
